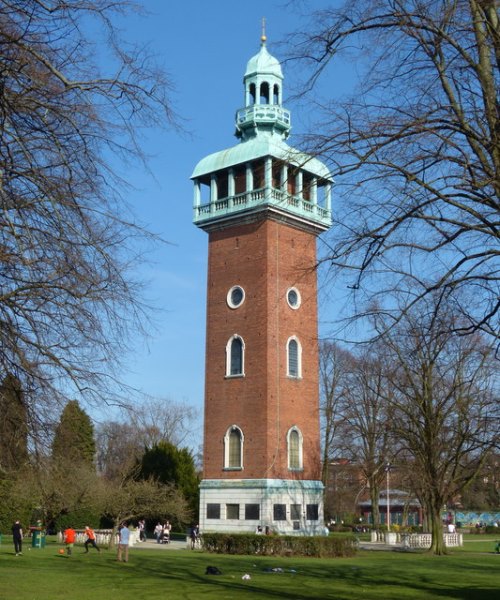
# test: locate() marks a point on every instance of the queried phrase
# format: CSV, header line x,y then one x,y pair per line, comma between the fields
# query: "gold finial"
x,y
263,37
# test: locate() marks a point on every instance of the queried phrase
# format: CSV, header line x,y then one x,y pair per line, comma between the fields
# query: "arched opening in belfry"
x,y
252,94
264,93
276,94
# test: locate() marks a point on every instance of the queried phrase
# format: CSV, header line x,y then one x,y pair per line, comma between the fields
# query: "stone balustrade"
x,y
414,540
102,536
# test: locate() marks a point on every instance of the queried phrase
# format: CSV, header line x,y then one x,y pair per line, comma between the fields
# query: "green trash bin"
x,y
38,538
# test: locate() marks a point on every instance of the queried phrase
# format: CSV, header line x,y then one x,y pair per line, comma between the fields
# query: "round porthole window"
x,y
293,298
236,296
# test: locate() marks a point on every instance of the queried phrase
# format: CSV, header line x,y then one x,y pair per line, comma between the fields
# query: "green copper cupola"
x,y
263,110
262,176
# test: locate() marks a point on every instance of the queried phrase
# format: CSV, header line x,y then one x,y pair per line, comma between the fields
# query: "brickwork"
x,y
265,258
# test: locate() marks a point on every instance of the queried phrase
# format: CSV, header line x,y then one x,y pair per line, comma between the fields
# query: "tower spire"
x,y
263,37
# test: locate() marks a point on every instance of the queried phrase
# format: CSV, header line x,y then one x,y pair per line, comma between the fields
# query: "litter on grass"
x,y
213,571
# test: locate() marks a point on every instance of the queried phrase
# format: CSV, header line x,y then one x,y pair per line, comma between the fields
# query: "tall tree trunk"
x,y
374,497
437,547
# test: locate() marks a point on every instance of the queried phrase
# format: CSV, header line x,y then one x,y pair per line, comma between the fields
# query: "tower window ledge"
x,y
238,376
232,469
294,377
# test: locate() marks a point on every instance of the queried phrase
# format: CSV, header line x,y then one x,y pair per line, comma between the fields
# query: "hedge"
x,y
273,545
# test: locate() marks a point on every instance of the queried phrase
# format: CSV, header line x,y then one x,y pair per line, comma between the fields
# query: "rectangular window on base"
x,y
252,512
312,512
213,511
279,512
232,511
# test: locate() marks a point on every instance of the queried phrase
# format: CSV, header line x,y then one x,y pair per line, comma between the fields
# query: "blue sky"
x,y
205,46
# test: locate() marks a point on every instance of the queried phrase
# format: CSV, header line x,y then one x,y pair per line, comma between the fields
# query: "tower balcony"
x,y
263,114
288,206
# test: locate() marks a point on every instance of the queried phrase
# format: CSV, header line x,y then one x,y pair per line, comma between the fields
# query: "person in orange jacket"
x,y
90,539
69,539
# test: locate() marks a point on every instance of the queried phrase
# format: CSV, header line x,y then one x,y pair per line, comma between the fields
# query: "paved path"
x,y
153,545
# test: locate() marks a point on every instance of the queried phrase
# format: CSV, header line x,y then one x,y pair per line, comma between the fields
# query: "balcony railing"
x,y
263,113
282,200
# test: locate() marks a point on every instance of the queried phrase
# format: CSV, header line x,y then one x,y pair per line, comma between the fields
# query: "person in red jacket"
x,y
69,539
90,539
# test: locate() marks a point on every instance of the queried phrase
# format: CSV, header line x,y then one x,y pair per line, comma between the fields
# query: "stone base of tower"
x,y
286,507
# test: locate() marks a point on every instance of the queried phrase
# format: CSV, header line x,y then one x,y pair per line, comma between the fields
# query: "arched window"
x,y
276,94
235,354
294,442
294,358
233,448
252,94
264,93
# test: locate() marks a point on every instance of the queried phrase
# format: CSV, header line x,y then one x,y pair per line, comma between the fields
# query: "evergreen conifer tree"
x,y
74,436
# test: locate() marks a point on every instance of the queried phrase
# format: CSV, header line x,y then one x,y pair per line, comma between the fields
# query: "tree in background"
x,y
168,464
333,368
143,498
414,149
483,492
74,437
59,493
354,418
13,425
443,406
68,245
161,419
119,449
121,444
365,428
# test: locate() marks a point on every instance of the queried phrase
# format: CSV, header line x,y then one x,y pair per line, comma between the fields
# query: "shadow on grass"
x,y
180,574
347,579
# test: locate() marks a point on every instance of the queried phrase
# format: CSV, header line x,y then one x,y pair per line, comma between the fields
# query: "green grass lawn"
x,y
42,574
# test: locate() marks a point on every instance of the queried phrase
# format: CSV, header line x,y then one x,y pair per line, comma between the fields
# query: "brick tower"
x,y
262,204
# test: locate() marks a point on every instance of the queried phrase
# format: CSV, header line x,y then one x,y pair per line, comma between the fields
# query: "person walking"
x,y
17,535
194,534
158,532
142,530
123,541
90,539
69,539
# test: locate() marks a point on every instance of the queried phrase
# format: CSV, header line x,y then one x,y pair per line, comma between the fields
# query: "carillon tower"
x,y
263,204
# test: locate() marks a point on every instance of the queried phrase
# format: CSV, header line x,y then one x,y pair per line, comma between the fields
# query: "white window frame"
x,y
299,358
299,298
295,429
229,346
227,438
229,301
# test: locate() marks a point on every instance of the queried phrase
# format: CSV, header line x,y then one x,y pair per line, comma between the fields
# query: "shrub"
x,y
320,547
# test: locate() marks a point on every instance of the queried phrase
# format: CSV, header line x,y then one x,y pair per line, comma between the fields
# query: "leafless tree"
x,y
133,499
119,447
443,406
414,149
333,373
73,101
365,421
120,444
354,418
161,419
